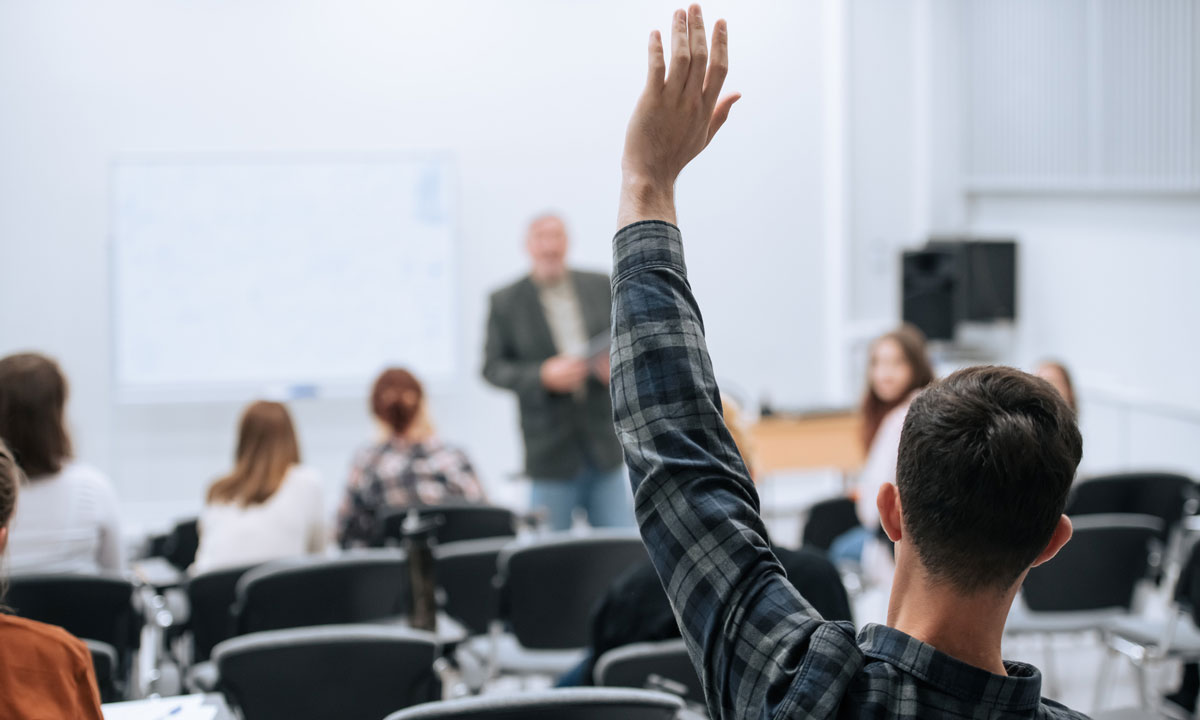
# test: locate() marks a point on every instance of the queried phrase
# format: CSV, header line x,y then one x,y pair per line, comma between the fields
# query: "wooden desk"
x,y
807,442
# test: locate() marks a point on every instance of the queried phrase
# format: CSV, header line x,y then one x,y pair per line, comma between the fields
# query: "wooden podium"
x,y
807,442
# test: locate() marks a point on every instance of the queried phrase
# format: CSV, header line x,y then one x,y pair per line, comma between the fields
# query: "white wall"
x,y
1108,285
532,97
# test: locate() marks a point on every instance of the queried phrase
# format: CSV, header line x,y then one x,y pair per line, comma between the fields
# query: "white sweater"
x,y
66,523
291,522
880,466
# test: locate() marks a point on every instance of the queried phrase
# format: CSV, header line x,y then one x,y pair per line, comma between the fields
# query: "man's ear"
x,y
3,538
888,502
1062,533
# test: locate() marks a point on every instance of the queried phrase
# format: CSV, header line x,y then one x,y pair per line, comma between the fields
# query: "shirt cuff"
x,y
645,245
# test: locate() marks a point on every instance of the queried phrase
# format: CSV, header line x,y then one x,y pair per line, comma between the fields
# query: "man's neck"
x,y
965,627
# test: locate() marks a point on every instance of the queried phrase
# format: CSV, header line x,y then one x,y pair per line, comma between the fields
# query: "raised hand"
x,y
676,116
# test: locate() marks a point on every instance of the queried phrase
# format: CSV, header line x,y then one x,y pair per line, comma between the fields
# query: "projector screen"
x,y
280,276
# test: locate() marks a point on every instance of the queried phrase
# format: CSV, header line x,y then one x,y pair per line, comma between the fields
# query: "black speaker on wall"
x,y
951,281
928,286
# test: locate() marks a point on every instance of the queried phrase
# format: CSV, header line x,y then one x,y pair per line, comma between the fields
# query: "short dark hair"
x,y
33,394
987,457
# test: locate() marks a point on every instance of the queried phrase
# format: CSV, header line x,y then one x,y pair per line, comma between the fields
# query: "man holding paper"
x,y
547,341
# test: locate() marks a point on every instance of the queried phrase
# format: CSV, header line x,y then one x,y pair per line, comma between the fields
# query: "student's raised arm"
x,y
747,630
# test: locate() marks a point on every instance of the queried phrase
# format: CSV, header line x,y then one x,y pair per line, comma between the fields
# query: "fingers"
x,y
681,55
658,66
697,48
718,64
721,114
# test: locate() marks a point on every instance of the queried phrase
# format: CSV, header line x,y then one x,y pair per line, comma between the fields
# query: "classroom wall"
x,y
1106,282
531,96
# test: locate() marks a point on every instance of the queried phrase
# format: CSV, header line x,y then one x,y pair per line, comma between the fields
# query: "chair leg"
x,y
1103,678
1048,674
1143,683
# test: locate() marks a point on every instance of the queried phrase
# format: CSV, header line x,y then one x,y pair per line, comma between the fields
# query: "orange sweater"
x,y
45,673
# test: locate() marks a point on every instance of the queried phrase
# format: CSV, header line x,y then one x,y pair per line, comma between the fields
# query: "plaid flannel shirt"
x,y
760,649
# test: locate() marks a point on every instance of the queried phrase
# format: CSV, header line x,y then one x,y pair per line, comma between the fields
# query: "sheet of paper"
x,y
187,707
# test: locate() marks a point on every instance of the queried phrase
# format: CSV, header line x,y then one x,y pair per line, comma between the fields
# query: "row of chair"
x,y
538,592
456,522
1166,496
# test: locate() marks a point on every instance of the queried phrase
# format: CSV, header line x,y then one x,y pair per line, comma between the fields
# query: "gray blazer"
x,y
561,433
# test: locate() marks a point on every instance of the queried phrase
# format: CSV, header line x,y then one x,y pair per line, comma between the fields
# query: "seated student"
x,y
409,468
270,506
45,671
986,460
67,520
899,368
635,609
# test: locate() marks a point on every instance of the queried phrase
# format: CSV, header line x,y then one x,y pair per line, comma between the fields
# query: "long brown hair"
x,y
33,395
874,409
266,449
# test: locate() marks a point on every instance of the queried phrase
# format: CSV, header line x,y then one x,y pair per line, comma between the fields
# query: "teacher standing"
x,y
545,342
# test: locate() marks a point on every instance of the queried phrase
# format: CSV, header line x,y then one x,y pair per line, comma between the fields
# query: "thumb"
x,y
721,114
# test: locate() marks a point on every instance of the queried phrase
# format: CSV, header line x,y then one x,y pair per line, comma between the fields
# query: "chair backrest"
x,y
564,704
826,520
466,574
548,587
1187,587
1161,495
456,522
349,672
179,546
96,607
358,587
651,666
1098,569
105,662
211,596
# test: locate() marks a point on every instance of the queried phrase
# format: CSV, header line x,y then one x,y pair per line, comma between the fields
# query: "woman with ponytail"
x,y
409,467
270,505
46,671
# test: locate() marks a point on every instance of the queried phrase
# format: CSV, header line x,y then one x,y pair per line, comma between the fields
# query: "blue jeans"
x,y
848,547
603,494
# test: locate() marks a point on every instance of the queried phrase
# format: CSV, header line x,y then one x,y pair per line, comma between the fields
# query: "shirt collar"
x,y
1021,690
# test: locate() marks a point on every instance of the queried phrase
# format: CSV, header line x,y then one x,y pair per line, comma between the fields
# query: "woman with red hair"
x,y
410,467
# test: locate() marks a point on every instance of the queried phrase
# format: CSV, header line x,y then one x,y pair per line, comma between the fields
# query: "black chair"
x,y
1148,641
826,521
565,704
211,596
548,587
663,666
1090,581
349,672
104,663
1160,495
179,547
95,607
1097,570
358,587
465,573
456,522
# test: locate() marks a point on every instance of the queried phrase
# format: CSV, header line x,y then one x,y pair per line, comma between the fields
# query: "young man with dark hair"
x,y
986,459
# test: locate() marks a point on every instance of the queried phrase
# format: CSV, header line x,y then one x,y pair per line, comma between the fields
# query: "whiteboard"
x,y
237,276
